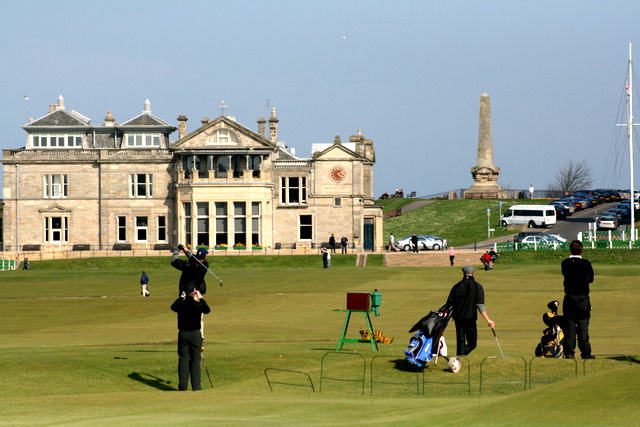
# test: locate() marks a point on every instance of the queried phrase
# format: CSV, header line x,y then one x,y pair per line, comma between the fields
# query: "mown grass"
x,y
79,346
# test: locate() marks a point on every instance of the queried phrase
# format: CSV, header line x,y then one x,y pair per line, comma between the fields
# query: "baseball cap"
x,y
202,252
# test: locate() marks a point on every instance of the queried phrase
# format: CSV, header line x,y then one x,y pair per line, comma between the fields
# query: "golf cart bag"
x,y
428,342
551,343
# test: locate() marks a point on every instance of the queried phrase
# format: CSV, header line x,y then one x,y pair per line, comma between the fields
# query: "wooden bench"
x,y
122,247
393,213
412,195
31,248
81,247
161,247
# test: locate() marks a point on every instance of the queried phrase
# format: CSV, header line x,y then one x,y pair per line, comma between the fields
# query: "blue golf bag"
x,y
425,344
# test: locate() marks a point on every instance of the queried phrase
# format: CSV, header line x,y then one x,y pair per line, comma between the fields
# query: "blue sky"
x,y
408,74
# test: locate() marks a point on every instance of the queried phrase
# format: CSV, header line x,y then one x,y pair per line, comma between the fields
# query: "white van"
x,y
531,215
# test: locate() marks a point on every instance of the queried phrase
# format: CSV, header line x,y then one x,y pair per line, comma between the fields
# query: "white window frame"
x,y
223,137
162,228
142,139
256,223
142,228
337,202
121,228
135,185
50,232
286,189
57,140
55,186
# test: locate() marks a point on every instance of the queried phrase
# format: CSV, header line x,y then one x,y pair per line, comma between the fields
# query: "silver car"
x,y
425,243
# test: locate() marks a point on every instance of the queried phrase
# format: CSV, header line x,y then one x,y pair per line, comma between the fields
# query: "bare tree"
x,y
572,177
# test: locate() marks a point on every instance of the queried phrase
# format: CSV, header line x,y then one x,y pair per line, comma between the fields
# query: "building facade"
x,y
121,186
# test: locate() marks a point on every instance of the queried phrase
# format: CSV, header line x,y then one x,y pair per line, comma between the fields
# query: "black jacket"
x,y
190,312
464,298
193,273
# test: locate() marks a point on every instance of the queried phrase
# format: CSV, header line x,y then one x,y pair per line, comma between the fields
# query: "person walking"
x,y
26,265
144,282
414,243
193,270
332,243
576,306
392,243
452,255
467,298
190,309
324,253
343,243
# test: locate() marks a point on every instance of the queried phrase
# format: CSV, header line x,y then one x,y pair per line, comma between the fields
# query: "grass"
x,y
459,221
79,346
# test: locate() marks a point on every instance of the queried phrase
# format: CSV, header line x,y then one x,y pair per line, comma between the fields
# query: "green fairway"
x,y
80,346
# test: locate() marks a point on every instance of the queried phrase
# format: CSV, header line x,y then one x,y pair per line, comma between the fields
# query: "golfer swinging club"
x,y
193,270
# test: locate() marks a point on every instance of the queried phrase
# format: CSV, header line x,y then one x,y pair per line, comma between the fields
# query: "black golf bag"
x,y
428,342
552,341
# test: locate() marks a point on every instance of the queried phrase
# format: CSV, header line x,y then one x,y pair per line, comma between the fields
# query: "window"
x,y
57,141
141,185
202,211
55,186
56,229
255,223
162,229
187,223
221,224
122,229
143,139
239,223
142,228
306,227
337,202
223,136
293,190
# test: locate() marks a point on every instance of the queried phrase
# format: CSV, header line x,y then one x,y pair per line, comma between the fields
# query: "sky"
x,y
408,74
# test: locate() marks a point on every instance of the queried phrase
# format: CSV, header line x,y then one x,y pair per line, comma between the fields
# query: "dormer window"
x,y
223,136
143,139
56,140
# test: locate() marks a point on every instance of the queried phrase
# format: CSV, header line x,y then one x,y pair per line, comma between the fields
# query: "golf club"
x,y
496,337
194,257
205,366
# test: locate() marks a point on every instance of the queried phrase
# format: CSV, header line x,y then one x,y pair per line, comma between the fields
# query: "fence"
x,y
618,239
7,264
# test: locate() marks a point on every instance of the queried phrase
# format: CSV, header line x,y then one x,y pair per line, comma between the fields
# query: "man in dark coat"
x,y
576,307
332,243
193,270
414,243
466,297
190,309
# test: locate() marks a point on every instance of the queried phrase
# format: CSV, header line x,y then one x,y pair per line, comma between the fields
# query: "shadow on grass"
x,y
151,381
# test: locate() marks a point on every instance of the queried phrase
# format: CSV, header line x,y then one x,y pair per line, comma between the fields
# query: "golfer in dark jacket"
x,y
190,310
576,307
414,243
193,270
466,297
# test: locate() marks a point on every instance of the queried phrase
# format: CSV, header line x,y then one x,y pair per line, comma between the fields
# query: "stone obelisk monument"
x,y
485,173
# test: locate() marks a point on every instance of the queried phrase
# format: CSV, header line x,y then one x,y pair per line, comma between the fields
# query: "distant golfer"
x,y
466,297
193,270
190,309
144,282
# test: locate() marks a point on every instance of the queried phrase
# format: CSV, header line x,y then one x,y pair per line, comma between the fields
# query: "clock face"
x,y
337,174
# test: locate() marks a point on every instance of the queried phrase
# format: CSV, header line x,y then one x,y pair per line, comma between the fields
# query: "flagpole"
x,y
630,132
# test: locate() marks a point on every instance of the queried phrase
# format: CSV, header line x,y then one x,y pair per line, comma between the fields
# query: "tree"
x,y
572,177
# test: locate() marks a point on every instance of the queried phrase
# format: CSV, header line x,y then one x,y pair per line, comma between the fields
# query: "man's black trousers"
x,y
189,352
466,336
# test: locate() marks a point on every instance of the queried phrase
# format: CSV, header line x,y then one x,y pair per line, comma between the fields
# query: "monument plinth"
x,y
485,173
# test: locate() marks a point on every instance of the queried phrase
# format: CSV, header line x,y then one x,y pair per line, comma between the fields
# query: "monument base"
x,y
490,191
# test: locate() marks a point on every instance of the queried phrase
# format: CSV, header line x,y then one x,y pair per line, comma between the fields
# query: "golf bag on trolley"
x,y
551,343
428,342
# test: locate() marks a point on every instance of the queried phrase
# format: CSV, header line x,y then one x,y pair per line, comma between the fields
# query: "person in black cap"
x,y
190,309
193,270
576,307
466,297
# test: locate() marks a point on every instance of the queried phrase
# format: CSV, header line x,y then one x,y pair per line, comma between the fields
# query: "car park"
x,y
561,211
607,222
569,205
425,243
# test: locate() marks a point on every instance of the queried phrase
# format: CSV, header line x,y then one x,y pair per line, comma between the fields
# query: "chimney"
x,y
182,126
109,120
204,121
60,105
51,108
273,126
147,107
261,126
30,119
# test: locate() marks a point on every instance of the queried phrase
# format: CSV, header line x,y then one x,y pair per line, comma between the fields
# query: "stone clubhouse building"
x,y
75,185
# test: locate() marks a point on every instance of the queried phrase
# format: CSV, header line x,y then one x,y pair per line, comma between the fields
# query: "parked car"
x,y
607,222
538,240
426,243
561,211
565,203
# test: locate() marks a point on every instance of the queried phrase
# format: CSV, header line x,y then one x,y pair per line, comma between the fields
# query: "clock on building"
x,y
337,174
